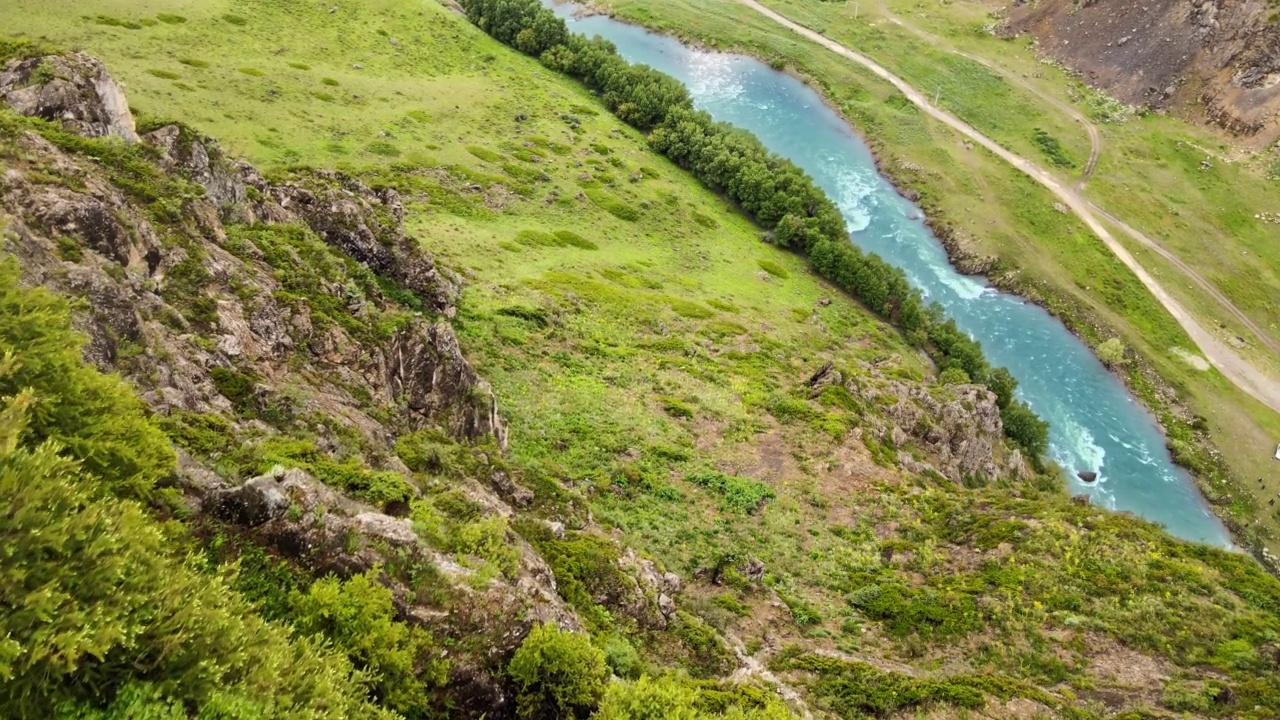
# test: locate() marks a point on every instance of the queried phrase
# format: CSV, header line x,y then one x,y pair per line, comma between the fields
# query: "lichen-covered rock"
x,y
423,366
75,90
957,427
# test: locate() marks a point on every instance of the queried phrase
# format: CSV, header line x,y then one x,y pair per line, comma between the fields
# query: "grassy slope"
x,y
666,351
1052,256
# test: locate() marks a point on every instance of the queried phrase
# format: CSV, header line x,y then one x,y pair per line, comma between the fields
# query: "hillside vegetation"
x,y
1184,186
433,390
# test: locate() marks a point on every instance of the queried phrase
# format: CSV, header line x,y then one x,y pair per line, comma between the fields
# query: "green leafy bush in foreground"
x,y
559,674
99,610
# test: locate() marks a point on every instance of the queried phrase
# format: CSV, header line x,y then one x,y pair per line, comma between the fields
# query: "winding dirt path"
x,y
1095,137
1095,141
1244,375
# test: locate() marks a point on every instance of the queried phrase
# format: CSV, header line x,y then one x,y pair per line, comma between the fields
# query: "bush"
x,y
97,599
690,309
484,154
358,617
90,416
648,699
170,19
1051,148
676,408
1111,353
742,495
621,657
557,674
773,268
568,237
383,148
236,20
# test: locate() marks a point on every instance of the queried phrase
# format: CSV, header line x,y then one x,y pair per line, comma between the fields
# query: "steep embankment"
x,y
1217,59
665,384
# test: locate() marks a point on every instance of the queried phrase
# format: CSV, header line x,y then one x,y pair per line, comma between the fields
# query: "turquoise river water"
x,y
1094,422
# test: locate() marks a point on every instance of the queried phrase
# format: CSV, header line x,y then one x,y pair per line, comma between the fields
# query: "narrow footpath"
x,y
1240,372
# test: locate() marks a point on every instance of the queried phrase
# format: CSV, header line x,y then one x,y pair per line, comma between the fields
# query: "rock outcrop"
x,y
1215,58
955,430
75,90
420,369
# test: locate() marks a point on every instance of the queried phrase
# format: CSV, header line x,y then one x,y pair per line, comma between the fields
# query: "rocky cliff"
x,y
1217,59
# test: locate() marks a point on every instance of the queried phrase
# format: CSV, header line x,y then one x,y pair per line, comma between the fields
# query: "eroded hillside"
x,y
1218,59
554,383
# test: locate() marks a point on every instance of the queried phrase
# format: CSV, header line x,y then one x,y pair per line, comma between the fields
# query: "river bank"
x,y
1183,430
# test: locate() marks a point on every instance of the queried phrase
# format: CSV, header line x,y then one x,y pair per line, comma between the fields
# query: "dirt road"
x,y
1095,141
1248,378
1095,137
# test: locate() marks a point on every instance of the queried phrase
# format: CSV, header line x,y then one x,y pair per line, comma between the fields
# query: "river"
x,y
1095,424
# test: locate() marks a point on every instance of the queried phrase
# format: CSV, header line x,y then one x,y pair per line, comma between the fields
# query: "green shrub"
x,y
163,74
484,154
586,570
69,249
170,19
621,657
730,603
330,82
676,408
486,539
773,268
708,656
557,674
235,20
568,237
927,612
106,604
600,149
663,698
614,206
358,617
1185,698
94,417
299,66
691,310
383,148
789,408
204,434
953,376
738,494
235,386
537,238
1051,148
193,62
252,72
117,22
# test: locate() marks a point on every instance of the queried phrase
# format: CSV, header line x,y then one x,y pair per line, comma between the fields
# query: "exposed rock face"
x,y
75,90
424,366
957,427
299,517
421,368
1219,57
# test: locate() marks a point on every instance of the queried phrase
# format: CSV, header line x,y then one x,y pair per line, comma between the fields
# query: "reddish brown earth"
x,y
1217,60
